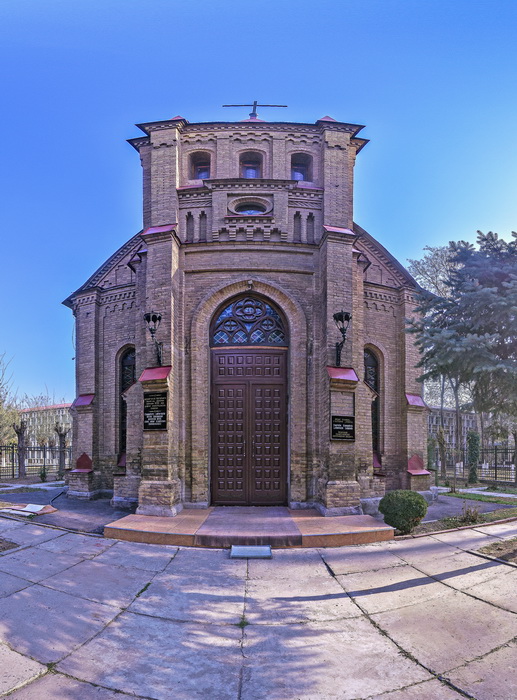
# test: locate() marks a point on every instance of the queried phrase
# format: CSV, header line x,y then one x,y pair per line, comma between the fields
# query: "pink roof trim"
x,y
155,373
344,373
159,229
178,118
415,400
337,229
252,119
83,400
415,466
326,119
45,408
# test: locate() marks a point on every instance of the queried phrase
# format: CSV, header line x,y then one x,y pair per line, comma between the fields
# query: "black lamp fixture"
x,y
153,320
342,321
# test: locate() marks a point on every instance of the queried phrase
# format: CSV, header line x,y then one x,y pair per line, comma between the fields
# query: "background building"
x,y
231,391
41,422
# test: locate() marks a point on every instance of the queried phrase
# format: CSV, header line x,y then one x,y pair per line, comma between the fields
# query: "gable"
x,y
115,272
384,269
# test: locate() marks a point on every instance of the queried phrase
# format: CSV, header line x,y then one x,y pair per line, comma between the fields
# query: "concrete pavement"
x,y
83,618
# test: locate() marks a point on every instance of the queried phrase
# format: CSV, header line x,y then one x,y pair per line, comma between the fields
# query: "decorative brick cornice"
x,y
126,293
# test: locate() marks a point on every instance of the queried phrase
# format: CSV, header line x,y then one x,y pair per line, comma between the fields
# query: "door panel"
x,y
249,427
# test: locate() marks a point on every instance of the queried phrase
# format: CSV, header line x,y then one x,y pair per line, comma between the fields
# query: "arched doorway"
x,y
249,343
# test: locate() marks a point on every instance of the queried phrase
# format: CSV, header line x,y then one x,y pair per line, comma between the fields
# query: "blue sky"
x,y
434,82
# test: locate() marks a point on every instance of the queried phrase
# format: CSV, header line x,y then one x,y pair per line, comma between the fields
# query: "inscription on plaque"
x,y
155,410
342,428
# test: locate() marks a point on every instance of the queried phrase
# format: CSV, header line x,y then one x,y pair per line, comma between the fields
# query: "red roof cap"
x,y
343,373
83,400
252,119
326,119
338,229
158,229
415,400
152,374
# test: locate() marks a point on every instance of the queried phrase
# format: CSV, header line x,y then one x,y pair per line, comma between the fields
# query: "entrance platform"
x,y
274,525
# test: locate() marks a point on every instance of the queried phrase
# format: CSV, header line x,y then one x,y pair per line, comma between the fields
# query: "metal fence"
x,y
496,464
36,458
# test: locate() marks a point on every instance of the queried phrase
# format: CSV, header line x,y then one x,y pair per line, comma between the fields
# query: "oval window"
x,y
250,208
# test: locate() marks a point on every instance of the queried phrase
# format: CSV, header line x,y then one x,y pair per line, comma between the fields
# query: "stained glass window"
x,y
248,321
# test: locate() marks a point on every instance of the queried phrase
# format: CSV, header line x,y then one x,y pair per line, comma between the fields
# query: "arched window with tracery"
x,y
248,321
373,379
127,377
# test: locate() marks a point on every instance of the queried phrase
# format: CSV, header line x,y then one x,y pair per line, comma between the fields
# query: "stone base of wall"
x,y
125,491
419,482
84,485
345,510
192,506
159,498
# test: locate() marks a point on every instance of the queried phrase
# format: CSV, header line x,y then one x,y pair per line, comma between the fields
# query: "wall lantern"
x,y
342,321
153,320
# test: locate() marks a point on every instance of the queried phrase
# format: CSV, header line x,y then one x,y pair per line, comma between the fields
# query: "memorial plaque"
x,y
155,410
342,428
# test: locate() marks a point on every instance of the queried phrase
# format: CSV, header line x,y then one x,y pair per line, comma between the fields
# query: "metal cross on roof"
x,y
253,114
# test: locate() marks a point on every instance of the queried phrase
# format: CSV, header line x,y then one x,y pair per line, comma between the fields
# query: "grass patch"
x,y
6,544
483,498
499,487
506,550
243,622
21,489
143,589
451,523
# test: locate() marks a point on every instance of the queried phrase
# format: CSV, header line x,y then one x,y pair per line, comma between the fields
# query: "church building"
x,y
247,347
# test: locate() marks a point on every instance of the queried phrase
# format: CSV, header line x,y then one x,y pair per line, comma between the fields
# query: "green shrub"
x,y
43,473
403,510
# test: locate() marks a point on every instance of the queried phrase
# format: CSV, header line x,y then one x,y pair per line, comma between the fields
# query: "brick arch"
x,y
200,382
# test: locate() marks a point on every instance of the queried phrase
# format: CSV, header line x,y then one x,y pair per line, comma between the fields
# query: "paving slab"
x,y
83,546
428,690
161,659
150,557
506,530
323,660
32,534
289,564
206,562
389,589
35,564
214,599
54,686
16,669
48,624
284,601
348,560
501,591
444,632
466,539
112,585
494,677
10,584
7,524
461,570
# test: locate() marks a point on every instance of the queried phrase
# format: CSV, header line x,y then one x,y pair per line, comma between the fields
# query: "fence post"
x,y
12,461
495,462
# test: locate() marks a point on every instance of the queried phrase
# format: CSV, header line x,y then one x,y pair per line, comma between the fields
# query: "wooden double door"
x,y
249,426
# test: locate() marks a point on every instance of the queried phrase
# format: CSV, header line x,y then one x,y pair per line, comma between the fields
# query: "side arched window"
x,y
372,377
127,377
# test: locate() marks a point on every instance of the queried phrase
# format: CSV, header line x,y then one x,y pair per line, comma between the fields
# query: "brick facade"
x,y
288,241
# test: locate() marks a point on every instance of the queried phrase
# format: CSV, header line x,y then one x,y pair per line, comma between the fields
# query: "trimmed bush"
x,y
403,510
